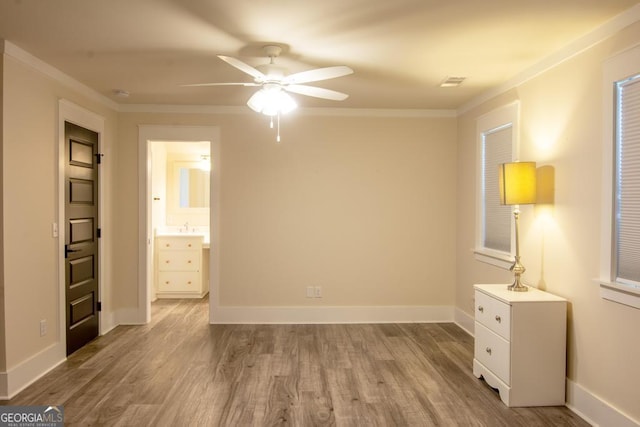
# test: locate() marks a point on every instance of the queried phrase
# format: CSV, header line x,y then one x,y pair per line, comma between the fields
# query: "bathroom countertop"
x,y
205,237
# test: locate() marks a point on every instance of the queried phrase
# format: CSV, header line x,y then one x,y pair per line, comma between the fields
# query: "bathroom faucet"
x,y
186,227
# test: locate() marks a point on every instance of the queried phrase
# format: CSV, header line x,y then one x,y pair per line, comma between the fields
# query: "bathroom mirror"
x,y
187,187
193,185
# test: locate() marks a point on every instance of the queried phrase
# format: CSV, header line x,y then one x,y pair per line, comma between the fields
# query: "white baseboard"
x,y
335,314
465,321
27,372
594,410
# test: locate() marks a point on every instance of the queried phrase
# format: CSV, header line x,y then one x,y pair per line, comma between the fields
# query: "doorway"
x,y
148,137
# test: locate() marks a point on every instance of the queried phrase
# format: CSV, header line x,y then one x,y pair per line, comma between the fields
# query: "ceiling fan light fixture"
x,y
271,100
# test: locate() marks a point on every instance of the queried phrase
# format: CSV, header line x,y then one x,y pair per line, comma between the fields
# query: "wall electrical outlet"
x,y
317,292
43,327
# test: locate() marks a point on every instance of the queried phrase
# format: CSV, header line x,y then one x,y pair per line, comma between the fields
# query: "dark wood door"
x,y
81,245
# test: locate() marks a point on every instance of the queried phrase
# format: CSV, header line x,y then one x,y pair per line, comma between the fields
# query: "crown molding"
x,y
342,112
574,48
25,57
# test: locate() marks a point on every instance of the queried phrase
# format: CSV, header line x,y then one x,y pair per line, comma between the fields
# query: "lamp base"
x,y
517,287
517,269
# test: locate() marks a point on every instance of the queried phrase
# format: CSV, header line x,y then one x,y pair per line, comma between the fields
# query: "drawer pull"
x,y
481,309
498,319
488,350
189,282
167,245
166,283
189,245
167,261
189,262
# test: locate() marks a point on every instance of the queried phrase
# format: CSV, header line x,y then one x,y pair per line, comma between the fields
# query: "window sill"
x,y
622,294
495,258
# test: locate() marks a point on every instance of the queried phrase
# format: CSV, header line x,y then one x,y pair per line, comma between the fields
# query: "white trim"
x,y
594,410
323,111
507,115
39,65
148,133
335,314
495,258
621,65
574,48
376,112
621,294
465,321
29,371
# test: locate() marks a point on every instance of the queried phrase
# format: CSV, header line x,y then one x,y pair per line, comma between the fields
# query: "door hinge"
x,y
99,305
99,233
99,158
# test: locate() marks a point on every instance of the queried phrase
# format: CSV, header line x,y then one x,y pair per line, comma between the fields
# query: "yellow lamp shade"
x,y
517,183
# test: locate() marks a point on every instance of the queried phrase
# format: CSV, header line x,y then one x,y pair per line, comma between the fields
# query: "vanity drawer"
x,y
186,242
493,352
494,314
179,260
178,281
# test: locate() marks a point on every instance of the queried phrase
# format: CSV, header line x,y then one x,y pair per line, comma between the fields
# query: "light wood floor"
x,y
181,371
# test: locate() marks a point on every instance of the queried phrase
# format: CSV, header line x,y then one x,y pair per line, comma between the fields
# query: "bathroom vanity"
x,y
181,267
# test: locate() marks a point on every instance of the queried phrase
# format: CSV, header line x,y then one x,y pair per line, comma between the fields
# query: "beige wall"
x,y
30,200
561,125
360,206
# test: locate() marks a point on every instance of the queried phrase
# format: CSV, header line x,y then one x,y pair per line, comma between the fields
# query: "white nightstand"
x,y
520,344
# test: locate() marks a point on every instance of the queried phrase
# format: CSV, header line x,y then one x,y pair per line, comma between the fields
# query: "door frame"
x,y
148,133
73,113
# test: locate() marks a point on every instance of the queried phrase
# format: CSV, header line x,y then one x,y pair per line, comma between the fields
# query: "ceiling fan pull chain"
x,y
278,138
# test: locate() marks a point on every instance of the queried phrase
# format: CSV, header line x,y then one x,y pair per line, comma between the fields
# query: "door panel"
x,y
80,192
81,248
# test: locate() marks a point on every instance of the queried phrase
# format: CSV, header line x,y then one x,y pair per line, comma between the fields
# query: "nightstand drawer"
x,y
493,352
493,314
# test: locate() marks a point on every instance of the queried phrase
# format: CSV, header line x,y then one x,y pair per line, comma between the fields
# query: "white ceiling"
x,y
400,50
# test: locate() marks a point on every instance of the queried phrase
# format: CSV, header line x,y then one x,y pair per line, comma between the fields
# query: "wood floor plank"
x,y
180,371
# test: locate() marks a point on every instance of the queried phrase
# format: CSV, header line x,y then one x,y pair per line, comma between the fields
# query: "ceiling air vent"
x,y
452,81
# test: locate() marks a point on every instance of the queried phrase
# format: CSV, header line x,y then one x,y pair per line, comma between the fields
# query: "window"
x,y
627,182
497,133
620,272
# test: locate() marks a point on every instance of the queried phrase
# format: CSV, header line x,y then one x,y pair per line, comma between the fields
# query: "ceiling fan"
x,y
274,82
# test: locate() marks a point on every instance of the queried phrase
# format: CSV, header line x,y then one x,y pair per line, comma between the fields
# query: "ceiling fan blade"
x,y
319,74
221,84
317,92
246,68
